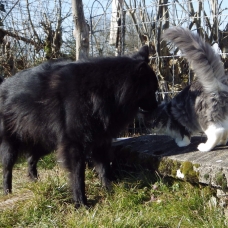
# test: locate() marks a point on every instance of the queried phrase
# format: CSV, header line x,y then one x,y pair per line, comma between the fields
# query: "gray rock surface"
x,y
160,153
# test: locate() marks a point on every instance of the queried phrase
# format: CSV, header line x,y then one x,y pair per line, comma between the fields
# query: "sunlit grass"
x,y
139,198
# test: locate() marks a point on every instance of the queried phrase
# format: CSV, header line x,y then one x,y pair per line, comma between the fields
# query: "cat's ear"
x,y
142,54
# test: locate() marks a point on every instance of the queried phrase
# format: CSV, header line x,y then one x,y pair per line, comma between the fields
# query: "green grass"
x,y
139,198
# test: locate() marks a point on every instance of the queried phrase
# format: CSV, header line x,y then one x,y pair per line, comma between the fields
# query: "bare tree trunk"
x,y
214,8
81,31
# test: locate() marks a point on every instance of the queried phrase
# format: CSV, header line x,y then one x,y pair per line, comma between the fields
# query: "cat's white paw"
x,y
184,142
203,147
222,143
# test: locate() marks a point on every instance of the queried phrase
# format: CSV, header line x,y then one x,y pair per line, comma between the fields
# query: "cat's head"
x,y
158,118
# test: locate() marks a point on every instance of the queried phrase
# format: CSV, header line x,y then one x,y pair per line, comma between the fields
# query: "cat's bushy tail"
x,y
203,60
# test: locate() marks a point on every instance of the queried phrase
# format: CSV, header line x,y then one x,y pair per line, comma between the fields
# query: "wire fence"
x,y
33,31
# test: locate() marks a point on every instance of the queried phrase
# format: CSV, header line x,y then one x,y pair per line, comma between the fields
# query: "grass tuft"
x,y
139,198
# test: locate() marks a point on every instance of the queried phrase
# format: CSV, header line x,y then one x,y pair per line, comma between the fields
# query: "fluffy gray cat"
x,y
201,106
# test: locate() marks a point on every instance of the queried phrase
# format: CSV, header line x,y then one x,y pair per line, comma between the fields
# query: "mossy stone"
x,y
169,167
187,168
220,179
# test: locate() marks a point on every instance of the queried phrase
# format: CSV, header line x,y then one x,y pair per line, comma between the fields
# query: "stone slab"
x,y
160,153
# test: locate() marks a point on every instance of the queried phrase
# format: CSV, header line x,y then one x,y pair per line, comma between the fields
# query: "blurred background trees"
x,y
34,31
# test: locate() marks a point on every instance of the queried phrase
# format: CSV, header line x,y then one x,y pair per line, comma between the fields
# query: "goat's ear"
x,y
142,54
